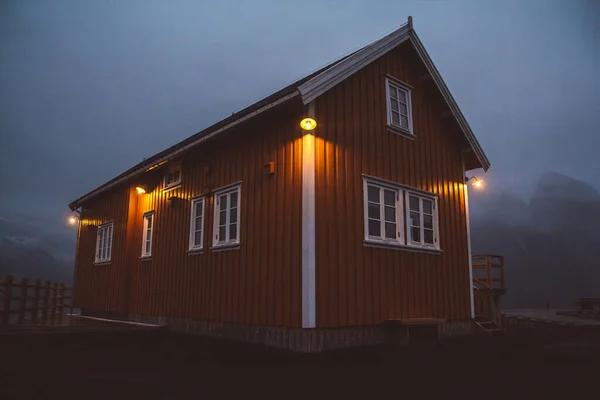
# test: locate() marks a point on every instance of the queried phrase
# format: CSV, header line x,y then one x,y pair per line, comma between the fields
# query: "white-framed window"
x,y
399,108
227,216
398,215
147,234
104,242
172,177
421,214
197,224
382,205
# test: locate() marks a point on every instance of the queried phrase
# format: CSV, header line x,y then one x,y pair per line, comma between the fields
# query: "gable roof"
x,y
309,88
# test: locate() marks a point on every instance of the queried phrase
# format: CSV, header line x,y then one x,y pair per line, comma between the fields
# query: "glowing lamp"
x,y
140,190
308,124
72,220
478,183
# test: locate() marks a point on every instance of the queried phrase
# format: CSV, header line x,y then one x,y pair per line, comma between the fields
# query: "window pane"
x,y
395,118
176,175
149,219
373,194
149,235
402,96
394,105
403,121
374,211
403,109
198,208
222,234
233,216
197,238
374,228
415,234
414,204
427,206
103,253
393,94
428,221
414,219
389,198
390,230
428,236
222,217
232,231
108,253
234,199
223,202
390,214
147,247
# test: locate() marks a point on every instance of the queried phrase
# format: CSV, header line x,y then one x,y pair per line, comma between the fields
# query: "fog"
x,y
90,88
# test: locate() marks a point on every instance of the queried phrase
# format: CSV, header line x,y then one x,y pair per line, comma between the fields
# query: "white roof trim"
x,y
187,146
327,79
460,118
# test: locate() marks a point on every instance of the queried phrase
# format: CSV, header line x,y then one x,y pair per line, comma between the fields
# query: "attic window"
x,y
172,178
399,109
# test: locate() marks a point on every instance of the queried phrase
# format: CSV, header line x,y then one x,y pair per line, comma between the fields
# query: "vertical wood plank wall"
x,y
358,285
102,286
257,284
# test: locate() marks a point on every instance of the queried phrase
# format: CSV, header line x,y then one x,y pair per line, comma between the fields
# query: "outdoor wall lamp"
x,y
308,124
476,181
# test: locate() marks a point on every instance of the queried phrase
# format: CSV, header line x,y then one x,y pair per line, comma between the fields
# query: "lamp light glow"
x,y
72,220
140,190
478,183
308,124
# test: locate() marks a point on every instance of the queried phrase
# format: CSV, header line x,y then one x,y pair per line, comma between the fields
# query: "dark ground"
x,y
162,365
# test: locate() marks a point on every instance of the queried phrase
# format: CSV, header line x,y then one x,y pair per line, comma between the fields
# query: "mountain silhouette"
x,y
551,244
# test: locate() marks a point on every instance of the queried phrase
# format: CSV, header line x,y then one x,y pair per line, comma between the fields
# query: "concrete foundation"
x,y
297,339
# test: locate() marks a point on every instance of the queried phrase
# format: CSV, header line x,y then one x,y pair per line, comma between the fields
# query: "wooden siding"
x,y
102,286
259,283
358,285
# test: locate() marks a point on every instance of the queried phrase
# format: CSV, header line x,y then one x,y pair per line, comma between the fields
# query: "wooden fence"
x,y
33,303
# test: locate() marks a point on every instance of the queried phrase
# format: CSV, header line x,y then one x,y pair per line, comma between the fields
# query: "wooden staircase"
x,y
488,327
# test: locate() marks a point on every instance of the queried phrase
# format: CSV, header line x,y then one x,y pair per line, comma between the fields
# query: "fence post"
x,y
45,306
23,304
36,301
54,292
61,303
8,287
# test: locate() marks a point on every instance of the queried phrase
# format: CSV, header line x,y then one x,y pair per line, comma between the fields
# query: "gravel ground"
x,y
159,364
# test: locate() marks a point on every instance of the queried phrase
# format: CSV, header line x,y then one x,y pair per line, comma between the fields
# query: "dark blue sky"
x,y
89,88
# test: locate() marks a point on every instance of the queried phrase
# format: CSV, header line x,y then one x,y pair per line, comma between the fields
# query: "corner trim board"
x,y
466,191
308,226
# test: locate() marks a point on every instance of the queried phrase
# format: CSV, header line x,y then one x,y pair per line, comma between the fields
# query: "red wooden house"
x,y
266,228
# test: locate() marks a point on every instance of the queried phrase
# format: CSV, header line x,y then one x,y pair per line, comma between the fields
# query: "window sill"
x,y
418,249
193,252
100,263
402,132
225,247
145,258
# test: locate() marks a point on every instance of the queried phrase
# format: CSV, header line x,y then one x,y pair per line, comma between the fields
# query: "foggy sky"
x,y
89,88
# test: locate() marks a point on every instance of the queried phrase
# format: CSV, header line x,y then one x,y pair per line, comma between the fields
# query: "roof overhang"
x,y
178,149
